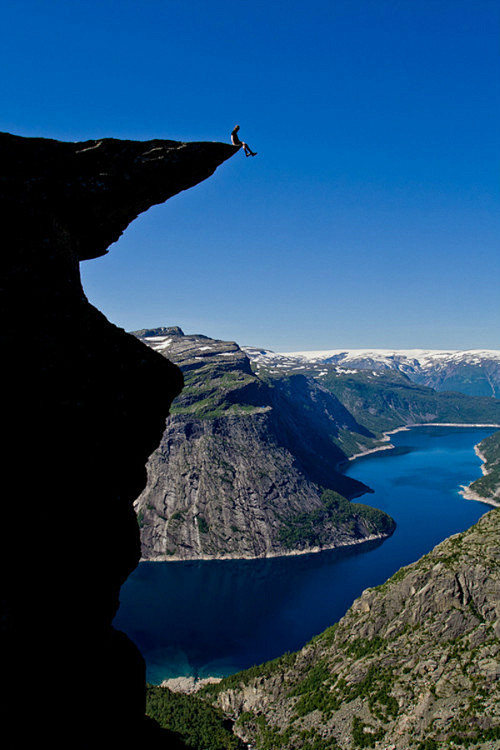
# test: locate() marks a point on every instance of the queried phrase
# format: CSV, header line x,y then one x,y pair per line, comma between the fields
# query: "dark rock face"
x,y
77,433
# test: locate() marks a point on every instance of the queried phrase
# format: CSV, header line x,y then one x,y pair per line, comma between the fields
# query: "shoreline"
x,y
465,490
373,537
482,458
191,684
469,494
270,556
405,428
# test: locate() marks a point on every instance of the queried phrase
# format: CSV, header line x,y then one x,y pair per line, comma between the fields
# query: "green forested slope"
x,y
488,486
388,400
199,725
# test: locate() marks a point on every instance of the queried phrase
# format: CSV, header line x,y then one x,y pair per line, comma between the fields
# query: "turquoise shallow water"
x,y
216,617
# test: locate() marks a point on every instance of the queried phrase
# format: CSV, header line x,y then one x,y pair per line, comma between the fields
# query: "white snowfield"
x,y
384,358
473,371
158,343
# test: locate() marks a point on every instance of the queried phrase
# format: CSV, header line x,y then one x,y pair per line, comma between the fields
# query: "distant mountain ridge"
x,y
475,372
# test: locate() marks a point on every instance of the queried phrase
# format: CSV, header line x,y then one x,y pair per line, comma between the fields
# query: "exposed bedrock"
x,y
78,429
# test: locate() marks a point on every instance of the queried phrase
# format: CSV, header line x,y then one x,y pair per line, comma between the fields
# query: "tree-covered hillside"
x,y
488,486
386,400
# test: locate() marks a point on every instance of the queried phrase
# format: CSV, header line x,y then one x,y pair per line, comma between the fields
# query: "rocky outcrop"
x,y
242,464
415,663
76,433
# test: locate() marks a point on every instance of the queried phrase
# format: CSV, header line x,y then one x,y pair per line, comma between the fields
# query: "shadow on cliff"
x,y
78,430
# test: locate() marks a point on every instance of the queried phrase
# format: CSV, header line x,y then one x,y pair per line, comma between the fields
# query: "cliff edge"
x,y
77,434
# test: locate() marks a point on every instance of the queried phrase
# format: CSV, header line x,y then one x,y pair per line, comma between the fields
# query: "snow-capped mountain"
x,y
475,371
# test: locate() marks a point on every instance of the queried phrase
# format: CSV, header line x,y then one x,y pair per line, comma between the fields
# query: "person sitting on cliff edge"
x,y
236,142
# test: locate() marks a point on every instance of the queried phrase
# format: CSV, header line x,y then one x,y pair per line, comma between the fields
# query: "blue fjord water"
x,y
213,618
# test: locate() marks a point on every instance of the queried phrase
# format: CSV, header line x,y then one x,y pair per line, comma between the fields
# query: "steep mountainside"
x,y
475,372
387,400
415,663
487,487
243,464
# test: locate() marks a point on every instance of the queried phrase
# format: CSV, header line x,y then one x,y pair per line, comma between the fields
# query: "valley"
x,y
250,463
255,465
231,614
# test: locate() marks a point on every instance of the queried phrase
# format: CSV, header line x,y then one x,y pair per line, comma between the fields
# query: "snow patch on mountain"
x,y
472,371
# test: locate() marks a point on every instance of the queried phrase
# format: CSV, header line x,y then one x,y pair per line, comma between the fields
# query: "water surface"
x,y
216,617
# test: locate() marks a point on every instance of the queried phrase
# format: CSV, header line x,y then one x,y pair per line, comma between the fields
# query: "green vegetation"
x,y
310,529
199,725
202,525
490,448
364,735
428,744
210,392
272,738
375,689
360,647
315,692
326,637
281,663
399,575
488,486
340,670
390,400
466,733
352,442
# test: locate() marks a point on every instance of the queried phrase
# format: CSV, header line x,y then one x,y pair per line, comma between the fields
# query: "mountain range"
x,y
475,372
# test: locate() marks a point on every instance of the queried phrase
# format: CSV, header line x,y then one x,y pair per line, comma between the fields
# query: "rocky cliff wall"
x,y
243,464
76,433
415,663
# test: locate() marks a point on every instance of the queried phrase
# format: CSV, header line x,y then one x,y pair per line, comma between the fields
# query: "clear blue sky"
x,y
370,216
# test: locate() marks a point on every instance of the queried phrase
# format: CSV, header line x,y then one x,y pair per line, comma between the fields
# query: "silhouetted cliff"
x,y
76,432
